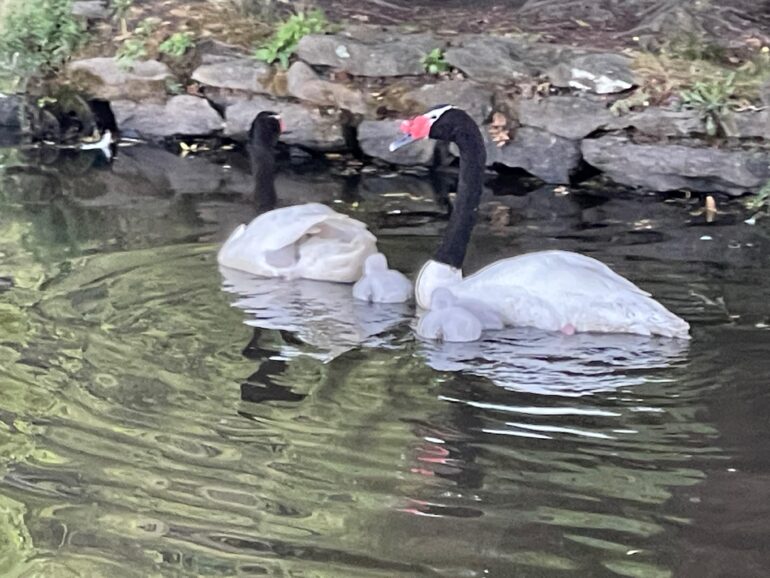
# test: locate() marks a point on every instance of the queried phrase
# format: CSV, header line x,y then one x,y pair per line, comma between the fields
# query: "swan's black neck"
x,y
464,132
262,159
264,133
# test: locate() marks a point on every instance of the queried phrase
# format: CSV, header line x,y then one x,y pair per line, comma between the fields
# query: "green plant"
x,y
694,46
131,50
176,44
434,62
173,86
282,44
38,36
712,99
761,200
121,10
135,48
147,27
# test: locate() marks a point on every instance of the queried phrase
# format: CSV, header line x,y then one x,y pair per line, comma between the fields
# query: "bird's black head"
x,y
442,122
266,129
446,124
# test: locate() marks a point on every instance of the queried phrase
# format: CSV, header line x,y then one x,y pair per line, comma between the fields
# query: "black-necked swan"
x,y
309,241
551,290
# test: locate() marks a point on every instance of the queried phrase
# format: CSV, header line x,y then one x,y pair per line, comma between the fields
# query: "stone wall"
x,y
543,108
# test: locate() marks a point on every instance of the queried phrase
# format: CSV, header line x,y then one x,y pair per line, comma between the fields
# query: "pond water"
x,y
157,419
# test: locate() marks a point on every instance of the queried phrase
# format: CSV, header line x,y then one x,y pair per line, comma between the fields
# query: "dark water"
x,y
154,424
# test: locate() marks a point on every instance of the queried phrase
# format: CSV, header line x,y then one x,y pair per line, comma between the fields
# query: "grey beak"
x,y
398,143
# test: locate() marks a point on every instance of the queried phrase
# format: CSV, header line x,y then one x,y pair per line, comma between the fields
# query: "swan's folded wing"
x,y
555,289
554,272
310,241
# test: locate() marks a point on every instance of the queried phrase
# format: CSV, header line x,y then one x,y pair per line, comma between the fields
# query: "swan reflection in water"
x,y
327,318
550,363
323,321
320,314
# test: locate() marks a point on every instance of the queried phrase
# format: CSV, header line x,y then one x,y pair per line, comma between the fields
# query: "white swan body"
x,y
556,291
457,319
309,241
551,290
380,284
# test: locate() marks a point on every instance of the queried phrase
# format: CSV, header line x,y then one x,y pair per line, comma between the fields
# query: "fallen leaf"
x,y
498,120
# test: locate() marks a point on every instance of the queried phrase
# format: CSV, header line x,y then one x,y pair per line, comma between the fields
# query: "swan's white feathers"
x,y
554,272
380,284
453,324
554,289
308,241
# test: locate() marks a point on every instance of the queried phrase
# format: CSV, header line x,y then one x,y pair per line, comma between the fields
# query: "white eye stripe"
x,y
435,114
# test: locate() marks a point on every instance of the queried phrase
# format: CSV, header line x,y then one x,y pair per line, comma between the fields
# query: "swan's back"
x,y
309,241
557,289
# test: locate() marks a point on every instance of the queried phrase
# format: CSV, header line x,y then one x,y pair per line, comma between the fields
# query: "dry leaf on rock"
x,y
498,130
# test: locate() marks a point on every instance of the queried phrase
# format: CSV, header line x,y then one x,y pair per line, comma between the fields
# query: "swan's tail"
x,y
634,313
652,318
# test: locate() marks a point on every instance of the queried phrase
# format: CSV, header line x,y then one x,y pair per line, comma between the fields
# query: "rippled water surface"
x,y
159,419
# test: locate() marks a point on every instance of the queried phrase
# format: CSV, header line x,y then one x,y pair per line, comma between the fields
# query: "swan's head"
x,y
435,123
266,129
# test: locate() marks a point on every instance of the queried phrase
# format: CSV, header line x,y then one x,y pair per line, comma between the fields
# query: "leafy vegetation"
x,y
121,8
693,46
147,27
173,87
283,43
699,74
135,48
38,36
712,99
760,201
176,44
434,62
131,50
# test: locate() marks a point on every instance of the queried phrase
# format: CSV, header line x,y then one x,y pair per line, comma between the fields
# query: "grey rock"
x,y
399,57
11,111
235,74
549,157
13,121
747,124
212,51
472,97
303,83
662,122
570,117
161,171
91,10
764,93
540,56
310,127
488,59
376,34
181,115
374,137
602,73
102,77
673,167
